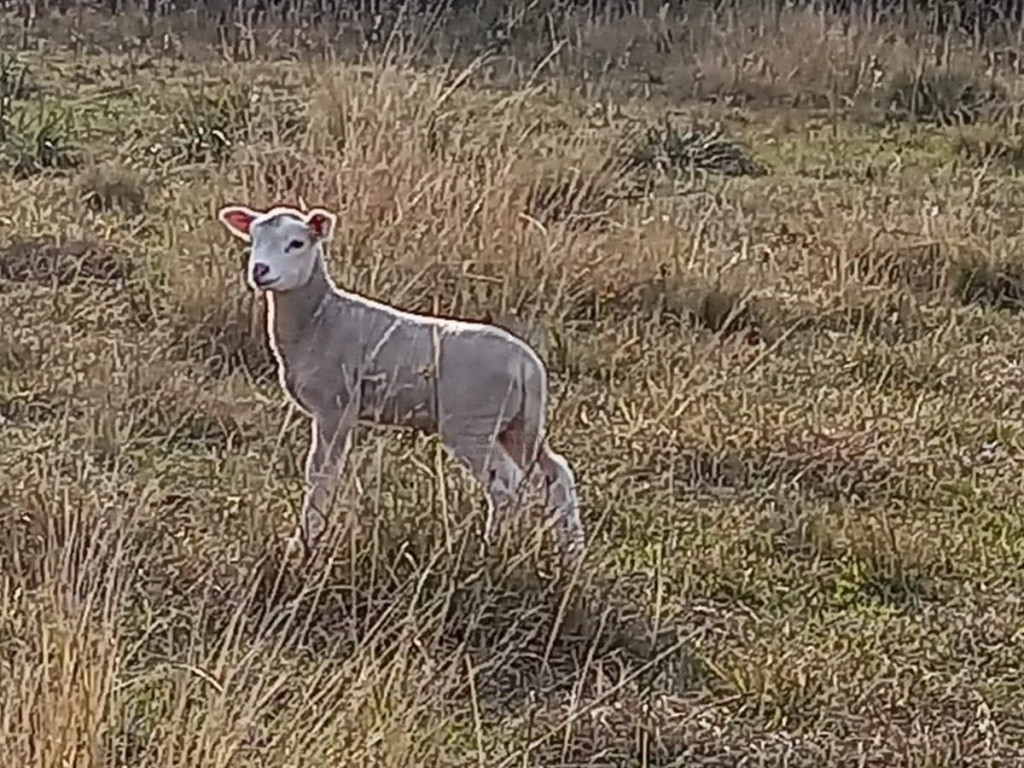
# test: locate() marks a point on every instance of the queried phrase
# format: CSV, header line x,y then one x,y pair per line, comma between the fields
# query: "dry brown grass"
x,y
792,400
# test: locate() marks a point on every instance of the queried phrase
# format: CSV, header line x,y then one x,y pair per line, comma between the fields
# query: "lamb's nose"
x,y
259,271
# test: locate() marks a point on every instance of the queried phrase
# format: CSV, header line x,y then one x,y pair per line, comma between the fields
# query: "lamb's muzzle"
x,y
345,359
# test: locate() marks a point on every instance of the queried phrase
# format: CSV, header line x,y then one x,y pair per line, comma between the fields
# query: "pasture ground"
x,y
787,370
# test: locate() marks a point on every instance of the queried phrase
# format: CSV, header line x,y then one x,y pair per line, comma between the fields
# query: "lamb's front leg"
x,y
331,440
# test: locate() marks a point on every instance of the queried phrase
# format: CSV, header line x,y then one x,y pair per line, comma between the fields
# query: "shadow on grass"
x,y
529,633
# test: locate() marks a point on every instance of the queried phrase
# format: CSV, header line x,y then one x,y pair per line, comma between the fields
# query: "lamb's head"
x,y
286,245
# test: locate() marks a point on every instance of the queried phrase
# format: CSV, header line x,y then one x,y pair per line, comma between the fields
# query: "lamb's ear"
x,y
238,219
321,223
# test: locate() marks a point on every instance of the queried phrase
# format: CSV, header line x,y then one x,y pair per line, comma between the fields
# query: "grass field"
x,y
786,368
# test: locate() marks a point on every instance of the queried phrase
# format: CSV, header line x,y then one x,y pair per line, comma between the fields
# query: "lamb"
x,y
344,359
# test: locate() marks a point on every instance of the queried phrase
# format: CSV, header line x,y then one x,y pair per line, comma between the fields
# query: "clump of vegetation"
x,y
209,124
47,261
801,534
885,570
576,197
723,308
991,146
15,82
723,312
113,185
879,313
917,267
34,139
696,149
994,283
945,97
227,338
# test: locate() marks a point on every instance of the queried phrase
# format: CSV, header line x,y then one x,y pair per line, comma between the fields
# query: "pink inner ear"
x,y
319,224
238,219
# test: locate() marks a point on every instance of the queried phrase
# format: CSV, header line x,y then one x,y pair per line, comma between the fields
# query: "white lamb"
x,y
345,359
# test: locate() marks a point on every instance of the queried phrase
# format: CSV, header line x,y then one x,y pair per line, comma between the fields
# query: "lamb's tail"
x,y
546,470
533,411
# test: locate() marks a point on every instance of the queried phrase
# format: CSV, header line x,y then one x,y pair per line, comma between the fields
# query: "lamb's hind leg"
x,y
550,474
493,467
554,472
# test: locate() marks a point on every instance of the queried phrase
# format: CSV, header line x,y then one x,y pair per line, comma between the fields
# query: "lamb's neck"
x,y
291,313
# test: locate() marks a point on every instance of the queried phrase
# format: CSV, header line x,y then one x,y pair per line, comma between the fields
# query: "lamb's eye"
x,y
295,244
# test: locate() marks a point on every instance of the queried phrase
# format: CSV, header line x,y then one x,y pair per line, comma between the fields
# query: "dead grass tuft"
x,y
806,534
950,97
921,268
46,260
989,283
723,312
887,570
575,198
991,146
19,409
111,186
228,340
878,314
818,466
696,149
